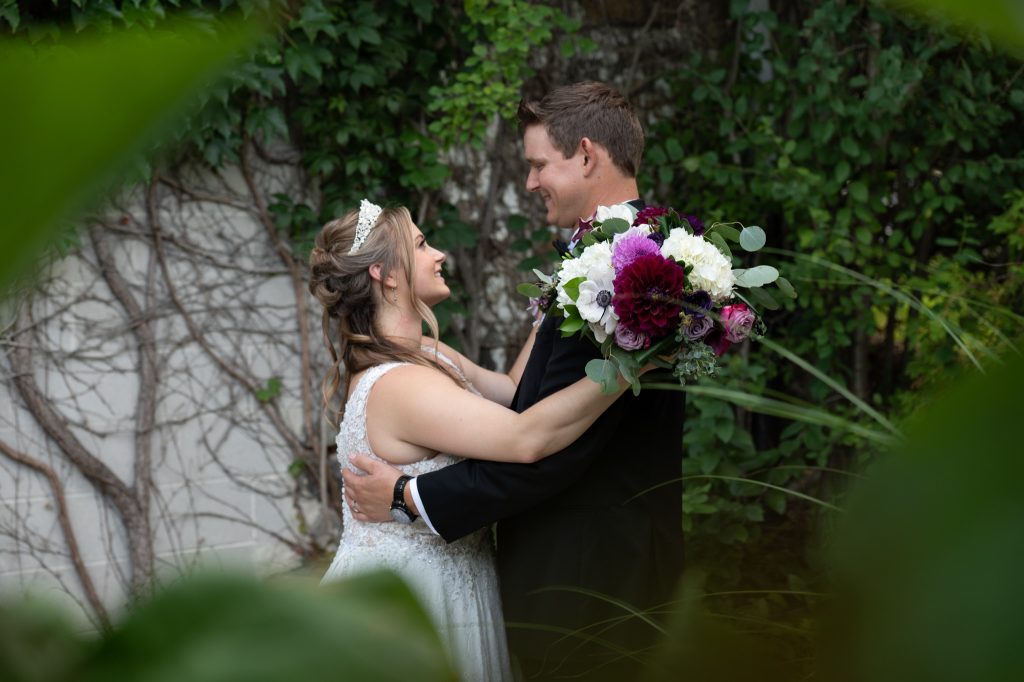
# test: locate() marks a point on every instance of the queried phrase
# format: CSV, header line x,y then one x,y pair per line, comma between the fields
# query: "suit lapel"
x,y
530,382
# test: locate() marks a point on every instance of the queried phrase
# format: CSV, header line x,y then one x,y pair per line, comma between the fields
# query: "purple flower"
x,y
697,303
696,224
737,321
535,307
629,340
647,295
628,249
697,327
582,228
648,215
657,237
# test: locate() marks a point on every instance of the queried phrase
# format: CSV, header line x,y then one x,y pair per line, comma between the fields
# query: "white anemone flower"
x,y
595,306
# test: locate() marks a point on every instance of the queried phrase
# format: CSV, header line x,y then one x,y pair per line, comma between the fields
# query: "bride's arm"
x,y
494,386
419,407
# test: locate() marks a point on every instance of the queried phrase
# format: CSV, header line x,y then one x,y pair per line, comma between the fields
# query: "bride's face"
x,y
426,273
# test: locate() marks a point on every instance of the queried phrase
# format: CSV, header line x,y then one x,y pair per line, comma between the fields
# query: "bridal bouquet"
x,y
654,285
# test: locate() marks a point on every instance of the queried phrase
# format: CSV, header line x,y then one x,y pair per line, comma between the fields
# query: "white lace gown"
x,y
455,582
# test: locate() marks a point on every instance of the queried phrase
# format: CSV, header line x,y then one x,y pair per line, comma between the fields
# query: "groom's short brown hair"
x,y
589,109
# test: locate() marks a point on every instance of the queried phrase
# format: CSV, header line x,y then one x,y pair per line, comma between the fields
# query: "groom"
x,y
602,519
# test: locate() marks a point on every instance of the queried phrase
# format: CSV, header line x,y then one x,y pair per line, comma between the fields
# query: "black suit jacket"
x,y
579,518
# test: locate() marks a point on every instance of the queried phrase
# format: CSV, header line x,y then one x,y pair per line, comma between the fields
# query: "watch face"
x,y
399,515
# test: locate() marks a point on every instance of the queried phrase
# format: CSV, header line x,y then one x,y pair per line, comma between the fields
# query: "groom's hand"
x,y
369,496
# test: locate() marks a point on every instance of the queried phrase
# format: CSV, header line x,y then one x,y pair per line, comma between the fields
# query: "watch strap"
x,y
398,501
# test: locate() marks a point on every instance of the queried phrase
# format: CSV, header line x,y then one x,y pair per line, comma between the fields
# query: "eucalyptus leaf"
x,y
752,238
614,226
604,373
785,287
757,276
727,231
628,367
763,298
716,239
546,278
529,289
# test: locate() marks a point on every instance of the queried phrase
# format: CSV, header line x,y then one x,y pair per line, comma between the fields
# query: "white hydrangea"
x,y
711,272
624,211
594,264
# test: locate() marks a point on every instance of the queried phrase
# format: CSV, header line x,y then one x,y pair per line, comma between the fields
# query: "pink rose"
x,y
737,320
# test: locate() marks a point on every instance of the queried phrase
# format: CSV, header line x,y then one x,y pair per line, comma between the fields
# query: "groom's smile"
x,y
557,179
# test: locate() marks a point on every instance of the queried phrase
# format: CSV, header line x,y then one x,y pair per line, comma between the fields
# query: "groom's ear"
x,y
591,154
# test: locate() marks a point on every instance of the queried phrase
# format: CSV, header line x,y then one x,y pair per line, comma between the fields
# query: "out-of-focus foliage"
x,y
1000,21
890,153
70,127
346,83
923,573
223,627
368,93
928,564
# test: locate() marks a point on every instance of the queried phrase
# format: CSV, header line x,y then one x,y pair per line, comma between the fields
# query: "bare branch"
x,y
65,524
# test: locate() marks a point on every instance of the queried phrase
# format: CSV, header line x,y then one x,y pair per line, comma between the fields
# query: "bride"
x,y
418,405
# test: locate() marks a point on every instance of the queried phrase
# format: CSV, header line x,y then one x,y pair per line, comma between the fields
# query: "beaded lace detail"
x,y
456,582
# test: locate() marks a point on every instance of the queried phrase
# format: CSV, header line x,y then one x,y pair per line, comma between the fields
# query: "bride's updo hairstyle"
x,y
350,297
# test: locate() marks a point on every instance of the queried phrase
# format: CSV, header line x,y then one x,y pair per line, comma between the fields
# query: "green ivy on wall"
x,y
874,142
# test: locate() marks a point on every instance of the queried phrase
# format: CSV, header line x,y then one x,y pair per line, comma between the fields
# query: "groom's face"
x,y
558,180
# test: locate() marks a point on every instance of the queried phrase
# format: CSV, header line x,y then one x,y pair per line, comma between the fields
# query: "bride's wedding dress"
x,y
455,582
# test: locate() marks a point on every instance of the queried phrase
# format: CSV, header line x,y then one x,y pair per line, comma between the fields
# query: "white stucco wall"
x,y
220,473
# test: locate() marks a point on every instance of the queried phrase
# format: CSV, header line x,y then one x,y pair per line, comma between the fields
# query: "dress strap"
x,y
429,350
360,394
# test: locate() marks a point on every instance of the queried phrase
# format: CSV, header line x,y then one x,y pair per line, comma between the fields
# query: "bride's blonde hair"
x,y
342,283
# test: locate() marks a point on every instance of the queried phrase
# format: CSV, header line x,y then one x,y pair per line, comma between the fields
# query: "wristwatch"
x,y
400,511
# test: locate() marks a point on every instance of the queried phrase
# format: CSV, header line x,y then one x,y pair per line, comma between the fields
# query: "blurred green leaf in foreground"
x,y
925,566
226,628
929,564
74,114
1001,21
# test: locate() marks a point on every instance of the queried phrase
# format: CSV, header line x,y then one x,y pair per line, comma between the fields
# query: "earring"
x,y
394,295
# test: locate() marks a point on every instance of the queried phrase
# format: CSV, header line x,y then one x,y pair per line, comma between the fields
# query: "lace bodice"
x,y
352,438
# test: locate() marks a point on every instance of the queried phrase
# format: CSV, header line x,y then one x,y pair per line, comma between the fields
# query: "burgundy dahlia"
x,y
647,216
719,344
648,295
